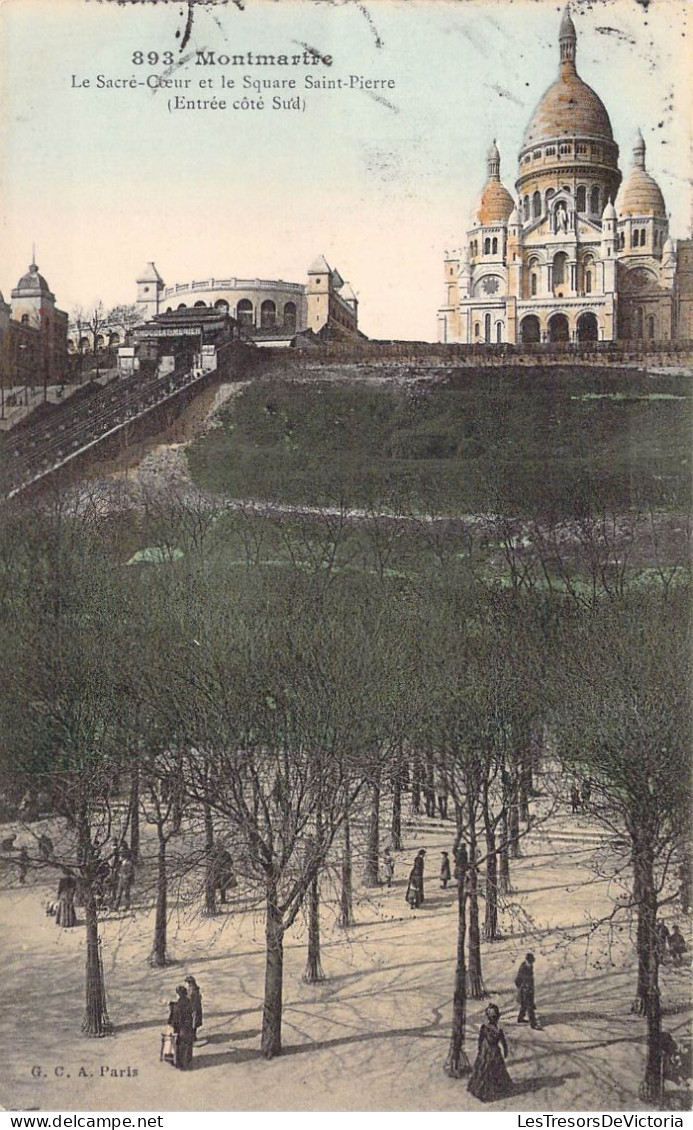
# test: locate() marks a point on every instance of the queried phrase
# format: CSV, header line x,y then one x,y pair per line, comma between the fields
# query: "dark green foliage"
x,y
519,440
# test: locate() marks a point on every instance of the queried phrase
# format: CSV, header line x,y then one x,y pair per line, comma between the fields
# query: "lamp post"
x,y
23,347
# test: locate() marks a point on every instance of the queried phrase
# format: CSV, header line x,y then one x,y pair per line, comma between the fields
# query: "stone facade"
x,y
268,310
581,255
33,335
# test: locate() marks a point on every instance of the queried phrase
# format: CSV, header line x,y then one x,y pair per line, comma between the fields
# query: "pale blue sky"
x,y
104,181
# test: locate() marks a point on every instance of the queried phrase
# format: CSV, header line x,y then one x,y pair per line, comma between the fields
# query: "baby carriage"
x,y
169,1049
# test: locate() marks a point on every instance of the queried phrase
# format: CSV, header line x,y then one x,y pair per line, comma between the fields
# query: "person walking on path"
x,y
445,873
574,799
415,888
125,879
586,794
181,1020
524,982
195,997
489,1079
677,944
23,865
66,915
662,940
388,867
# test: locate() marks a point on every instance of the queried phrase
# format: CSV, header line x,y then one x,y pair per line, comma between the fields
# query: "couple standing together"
x,y
185,1017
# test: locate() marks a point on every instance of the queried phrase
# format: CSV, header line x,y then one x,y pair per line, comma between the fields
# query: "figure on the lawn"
x,y
489,1079
415,887
181,1020
524,982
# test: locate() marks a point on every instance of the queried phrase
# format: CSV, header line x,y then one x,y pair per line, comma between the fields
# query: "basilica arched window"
x,y
651,327
588,282
526,206
549,193
636,238
499,332
581,198
487,246
533,276
290,315
536,205
477,329
621,240
487,327
638,322
494,247
559,268
594,201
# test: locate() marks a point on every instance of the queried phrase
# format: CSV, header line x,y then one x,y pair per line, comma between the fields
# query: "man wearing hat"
x,y
524,983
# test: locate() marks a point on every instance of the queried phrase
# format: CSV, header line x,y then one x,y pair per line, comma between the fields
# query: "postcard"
x,y
302,179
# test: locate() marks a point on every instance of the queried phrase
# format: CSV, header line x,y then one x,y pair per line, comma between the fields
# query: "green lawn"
x,y
513,441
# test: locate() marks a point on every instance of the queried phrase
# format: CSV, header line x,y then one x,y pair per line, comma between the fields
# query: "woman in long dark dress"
x,y
195,997
489,1079
181,1020
66,914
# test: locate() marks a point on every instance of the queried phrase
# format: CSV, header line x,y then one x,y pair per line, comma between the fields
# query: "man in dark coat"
x,y
524,983
181,1020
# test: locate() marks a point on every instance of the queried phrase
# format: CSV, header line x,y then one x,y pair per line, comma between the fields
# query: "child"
x,y
388,866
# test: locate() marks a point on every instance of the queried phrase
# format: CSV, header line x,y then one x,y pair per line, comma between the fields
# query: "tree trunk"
x,y
645,899
177,805
396,828
271,1039
475,982
514,824
135,815
313,973
371,878
648,1002
504,884
491,917
346,909
416,785
210,907
457,1063
429,788
96,1022
158,956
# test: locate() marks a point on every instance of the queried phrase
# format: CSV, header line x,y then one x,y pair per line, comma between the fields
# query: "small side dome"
x,y
31,284
640,195
514,218
495,203
609,212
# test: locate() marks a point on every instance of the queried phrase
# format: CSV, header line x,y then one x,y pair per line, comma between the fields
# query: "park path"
x,y
374,1035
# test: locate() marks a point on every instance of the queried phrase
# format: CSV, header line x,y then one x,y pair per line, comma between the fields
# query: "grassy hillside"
x,y
463,441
